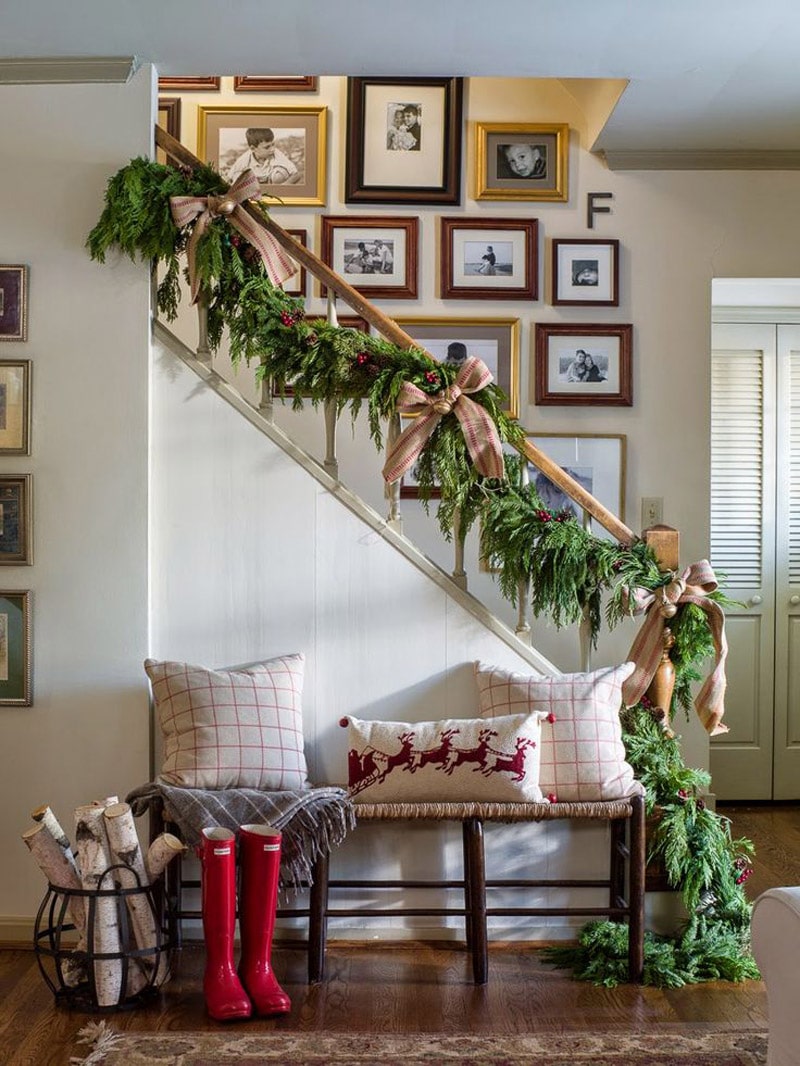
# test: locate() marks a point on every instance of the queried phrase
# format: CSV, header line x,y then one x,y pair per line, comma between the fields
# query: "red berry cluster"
x,y
288,318
431,377
745,871
552,797
551,717
362,358
544,516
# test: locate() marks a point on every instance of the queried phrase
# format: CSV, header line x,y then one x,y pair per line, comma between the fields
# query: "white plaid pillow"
x,y
451,760
240,728
582,756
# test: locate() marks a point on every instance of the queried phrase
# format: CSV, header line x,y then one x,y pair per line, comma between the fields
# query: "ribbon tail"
x,y
710,700
407,447
191,254
646,652
480,433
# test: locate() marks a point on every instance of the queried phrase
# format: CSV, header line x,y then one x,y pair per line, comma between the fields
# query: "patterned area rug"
x,y
700,1046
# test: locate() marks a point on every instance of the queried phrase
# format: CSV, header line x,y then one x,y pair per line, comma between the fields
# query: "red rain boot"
x,y
260,857
224,995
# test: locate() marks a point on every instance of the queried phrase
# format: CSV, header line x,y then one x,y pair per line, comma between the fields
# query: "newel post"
x,y
665,544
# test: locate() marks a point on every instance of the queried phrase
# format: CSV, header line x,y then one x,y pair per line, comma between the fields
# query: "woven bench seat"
x,y
624,883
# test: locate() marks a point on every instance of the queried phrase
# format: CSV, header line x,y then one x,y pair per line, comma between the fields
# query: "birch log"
x,y
123,840
44,814
93,860
160,854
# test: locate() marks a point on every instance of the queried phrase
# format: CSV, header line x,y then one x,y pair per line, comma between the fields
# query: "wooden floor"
x,y
420,987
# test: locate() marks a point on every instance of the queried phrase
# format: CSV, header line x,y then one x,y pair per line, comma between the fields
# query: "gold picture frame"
x,y
15,649
300,136
15,407
13,303
521,161
494,340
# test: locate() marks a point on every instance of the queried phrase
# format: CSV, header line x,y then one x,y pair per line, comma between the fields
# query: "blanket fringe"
x,y
100,1038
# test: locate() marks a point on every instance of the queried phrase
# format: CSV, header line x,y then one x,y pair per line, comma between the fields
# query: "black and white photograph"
x,y
378,255
495,258
403,140
404,127
583,365
596,462
586,272
283,147
521,161
495,341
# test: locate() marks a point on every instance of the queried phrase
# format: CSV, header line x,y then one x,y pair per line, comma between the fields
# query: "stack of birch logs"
x,y
105,837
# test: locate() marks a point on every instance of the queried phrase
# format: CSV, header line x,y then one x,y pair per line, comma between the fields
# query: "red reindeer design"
x,y
477,754
514,764
436,756
403,758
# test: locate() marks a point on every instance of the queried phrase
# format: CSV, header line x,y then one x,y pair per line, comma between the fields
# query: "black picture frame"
x,y
388,165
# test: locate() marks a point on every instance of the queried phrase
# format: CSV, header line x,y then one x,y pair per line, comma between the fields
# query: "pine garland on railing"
x,y
569,571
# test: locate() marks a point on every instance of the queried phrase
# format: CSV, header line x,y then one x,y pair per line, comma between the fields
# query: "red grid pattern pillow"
x,y
452,760
240,728
582,756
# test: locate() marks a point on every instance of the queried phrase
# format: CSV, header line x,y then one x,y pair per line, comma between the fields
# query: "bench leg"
x,y
318,919
468,935
636,892
475,874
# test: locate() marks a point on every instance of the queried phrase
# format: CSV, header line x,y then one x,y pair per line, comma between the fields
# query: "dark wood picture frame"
x,y
585,272
16,530
338,252
254,83
13,302
558,346
296,284
412,171
169,119
189,85
511,274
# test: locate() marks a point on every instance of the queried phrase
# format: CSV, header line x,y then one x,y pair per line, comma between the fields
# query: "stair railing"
x,y
663,540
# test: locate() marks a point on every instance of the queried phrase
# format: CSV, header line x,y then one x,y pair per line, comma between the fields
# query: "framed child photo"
x,y
586,272
403,141
493,340
283,146
595,461
13,303
376,255
15,649
495,258
583,365
521,161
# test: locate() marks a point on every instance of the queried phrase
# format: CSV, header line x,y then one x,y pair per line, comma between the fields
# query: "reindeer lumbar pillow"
x,y
450,760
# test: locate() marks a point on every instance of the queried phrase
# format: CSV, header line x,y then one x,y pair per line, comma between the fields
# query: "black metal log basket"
x,y
70,971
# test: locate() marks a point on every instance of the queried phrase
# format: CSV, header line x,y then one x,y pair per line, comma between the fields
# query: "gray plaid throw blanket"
x,y
311,821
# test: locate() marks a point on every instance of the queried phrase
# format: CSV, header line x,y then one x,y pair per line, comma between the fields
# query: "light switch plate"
x,y
652,511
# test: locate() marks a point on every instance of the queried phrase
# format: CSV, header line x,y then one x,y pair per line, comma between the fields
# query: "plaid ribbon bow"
x,y
692,586
246,187
478,427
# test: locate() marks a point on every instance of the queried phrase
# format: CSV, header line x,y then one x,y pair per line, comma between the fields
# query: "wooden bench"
x,y
624,884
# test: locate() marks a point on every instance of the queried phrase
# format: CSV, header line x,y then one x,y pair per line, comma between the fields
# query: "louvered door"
x,y
755,542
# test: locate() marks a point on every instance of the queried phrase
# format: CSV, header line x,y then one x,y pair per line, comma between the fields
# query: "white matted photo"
x,y
376,255
489,258
586,272
589,365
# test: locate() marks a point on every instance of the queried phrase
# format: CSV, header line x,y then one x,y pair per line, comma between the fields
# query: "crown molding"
x,y
60,70
747,159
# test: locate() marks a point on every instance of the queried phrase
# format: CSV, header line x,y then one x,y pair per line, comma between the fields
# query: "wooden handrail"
x,y
389,329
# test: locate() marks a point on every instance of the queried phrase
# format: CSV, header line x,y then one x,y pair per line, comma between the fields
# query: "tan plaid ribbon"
x,y
246,187
478,427
692,586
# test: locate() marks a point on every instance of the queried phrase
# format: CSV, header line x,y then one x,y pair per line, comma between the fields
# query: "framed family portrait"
x,y
521,161
15,649
583,365
493,340
403,141
596,462
13,303
287,83
586,272
15,407
375,255
184,85
283,146
489,257
16,501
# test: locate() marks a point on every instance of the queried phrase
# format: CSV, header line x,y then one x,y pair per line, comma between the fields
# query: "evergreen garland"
x,y
568,571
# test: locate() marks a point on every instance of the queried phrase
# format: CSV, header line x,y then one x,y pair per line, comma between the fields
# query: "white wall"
x,y
86,734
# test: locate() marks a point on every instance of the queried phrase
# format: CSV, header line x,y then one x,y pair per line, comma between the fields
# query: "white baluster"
x,y
203,350
459,573
584,631
266,403
523,627
331,462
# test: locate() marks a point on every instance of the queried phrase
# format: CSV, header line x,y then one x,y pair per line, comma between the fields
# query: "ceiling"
x,y
711,83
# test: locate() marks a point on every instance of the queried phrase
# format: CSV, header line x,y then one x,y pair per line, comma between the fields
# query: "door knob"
x,y
755,600
794,600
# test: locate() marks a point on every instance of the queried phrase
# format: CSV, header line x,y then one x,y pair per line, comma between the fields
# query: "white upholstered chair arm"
x,y
776,945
